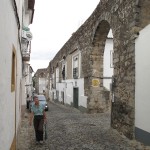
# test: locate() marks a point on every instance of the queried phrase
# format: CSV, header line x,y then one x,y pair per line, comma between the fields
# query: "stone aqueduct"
x,y
126,18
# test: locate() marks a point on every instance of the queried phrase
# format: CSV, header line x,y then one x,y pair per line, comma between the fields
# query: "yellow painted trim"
x,y
13,145
13,69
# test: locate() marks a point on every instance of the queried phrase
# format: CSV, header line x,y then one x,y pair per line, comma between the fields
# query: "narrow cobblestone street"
x,y
69,129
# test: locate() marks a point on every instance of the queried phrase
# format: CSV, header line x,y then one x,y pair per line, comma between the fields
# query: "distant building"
x,y
40,81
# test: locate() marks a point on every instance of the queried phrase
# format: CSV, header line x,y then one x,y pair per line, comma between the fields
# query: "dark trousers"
x,y
38,126
28,104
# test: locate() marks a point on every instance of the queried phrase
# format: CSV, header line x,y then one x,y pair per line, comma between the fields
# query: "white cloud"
x,y
38,64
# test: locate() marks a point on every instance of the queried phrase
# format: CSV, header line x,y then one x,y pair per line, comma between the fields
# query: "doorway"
x,y
62,96
75,97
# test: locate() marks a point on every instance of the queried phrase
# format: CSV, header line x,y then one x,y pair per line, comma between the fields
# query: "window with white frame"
x,y
53,80
57,75
76,66
63,72
111,59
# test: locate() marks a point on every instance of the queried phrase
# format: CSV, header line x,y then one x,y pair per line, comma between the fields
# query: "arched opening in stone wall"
x,y
108,66
102,69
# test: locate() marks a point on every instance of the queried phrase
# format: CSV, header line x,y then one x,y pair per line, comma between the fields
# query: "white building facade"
x,y
142,84
28,71
12,84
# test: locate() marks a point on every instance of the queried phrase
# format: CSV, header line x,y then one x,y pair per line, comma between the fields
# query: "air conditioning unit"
x,y
24,34
27,35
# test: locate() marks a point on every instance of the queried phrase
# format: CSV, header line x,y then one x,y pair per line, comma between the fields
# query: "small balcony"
x,y
26,50
25,56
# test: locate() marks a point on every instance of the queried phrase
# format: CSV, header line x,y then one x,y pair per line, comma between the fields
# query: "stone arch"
x,y
122,113
98,101
98,43
101,32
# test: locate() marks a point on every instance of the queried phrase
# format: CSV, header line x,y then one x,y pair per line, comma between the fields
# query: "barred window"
x,y
63,72
75,73
75,67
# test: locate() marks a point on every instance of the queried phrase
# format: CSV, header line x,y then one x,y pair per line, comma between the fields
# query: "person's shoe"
x,y
41,142
37,142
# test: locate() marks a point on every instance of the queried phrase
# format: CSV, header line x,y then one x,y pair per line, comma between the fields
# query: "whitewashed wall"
x,y
19,89
60,87
8,99
28,80
23,95
107,70
142,80
26,19
67,88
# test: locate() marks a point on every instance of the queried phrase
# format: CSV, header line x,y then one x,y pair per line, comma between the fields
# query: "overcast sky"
x,y
53,24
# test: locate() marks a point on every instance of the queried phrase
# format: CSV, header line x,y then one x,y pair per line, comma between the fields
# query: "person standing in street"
x,y
38,117
27,101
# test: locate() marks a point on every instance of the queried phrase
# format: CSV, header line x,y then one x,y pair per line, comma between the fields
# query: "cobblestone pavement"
x,y
69,129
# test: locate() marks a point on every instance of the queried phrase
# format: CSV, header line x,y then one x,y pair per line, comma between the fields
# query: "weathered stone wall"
x,y
125,18
69,66
143,13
